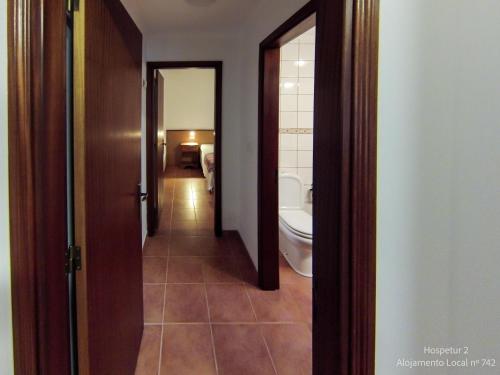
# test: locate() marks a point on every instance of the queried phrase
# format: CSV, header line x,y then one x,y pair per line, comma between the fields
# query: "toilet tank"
x,y
290,191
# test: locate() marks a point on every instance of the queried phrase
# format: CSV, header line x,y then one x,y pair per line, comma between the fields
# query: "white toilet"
x,y
295,235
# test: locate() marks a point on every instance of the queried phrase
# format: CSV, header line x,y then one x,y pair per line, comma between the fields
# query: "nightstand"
x,y
190,155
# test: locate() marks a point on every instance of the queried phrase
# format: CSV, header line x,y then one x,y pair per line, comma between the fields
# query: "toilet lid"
x,y
297,221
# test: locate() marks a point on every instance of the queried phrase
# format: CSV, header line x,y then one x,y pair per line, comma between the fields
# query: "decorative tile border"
x,y
296,130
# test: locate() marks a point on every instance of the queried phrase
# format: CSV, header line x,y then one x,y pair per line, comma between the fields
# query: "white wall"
x,y
189,99
257,29
438,180
475,178
6,351
206,46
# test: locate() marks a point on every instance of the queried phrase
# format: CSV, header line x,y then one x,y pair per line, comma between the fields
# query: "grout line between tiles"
x,y
165,290
162,328
211,329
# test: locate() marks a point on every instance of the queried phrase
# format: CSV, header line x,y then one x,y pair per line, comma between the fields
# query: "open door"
x,y
107,135
156,198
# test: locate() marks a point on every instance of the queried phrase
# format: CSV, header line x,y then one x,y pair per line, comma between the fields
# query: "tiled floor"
x,y
203,311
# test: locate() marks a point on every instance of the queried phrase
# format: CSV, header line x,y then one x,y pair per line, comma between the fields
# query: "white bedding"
x,y
204,150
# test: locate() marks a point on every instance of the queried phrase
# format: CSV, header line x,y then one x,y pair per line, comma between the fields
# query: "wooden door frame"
x,y
151,66
37,184
345,140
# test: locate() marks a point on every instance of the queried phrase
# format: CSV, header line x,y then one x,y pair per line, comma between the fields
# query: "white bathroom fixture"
x,y
295,224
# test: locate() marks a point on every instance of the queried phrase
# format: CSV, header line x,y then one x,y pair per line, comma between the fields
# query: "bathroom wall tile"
x,y
306,69
289,86
304,142
304,159
306,103
288,102
306,176
308,37
288,120
288,142
305,120
289,69
288,159
306,51
290,51
297,106
288,170
306,86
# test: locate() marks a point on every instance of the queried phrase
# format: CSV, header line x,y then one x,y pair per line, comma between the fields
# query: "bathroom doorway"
x,y
343,226
184,133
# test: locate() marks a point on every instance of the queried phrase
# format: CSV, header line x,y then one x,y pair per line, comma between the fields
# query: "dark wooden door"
x,y
108,58
160,148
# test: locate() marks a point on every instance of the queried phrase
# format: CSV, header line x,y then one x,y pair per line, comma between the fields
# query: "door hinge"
x,y
73,259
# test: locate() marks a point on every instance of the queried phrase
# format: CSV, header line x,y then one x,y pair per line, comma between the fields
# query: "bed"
x,y
207,161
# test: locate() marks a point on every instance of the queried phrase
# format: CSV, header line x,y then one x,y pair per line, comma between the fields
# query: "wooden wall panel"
x,y
176,137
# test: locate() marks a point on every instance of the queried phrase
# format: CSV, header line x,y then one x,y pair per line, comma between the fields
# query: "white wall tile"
x,y
288,103
289,52
289,86
306,103
306,86
306,69
288,120
289,69
306,51
306,175
288,142
288,159
305,142
304,159
305,120
309,36
288,170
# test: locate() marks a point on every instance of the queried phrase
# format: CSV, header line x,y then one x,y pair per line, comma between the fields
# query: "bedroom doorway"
x,y
184,104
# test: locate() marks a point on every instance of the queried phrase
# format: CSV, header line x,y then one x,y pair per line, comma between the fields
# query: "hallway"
x,y
203,312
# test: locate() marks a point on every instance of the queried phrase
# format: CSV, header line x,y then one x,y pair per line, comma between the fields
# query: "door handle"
x,y
142,196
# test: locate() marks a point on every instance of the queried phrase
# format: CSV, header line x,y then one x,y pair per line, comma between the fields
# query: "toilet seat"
x,y
298,222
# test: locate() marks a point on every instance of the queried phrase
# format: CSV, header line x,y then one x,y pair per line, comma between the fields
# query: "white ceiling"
x,y
160,16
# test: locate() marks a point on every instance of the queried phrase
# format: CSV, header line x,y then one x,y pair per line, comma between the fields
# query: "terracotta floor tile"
x,y
203,204
203,269
187,350
185,270
229,303
156,246
183,214
154,270
288,275
198,246
153,303
205,228
183,203
220,270
290,346
275,306
248,273
184,227
149,354
302,293
185,303
241,350
205,214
